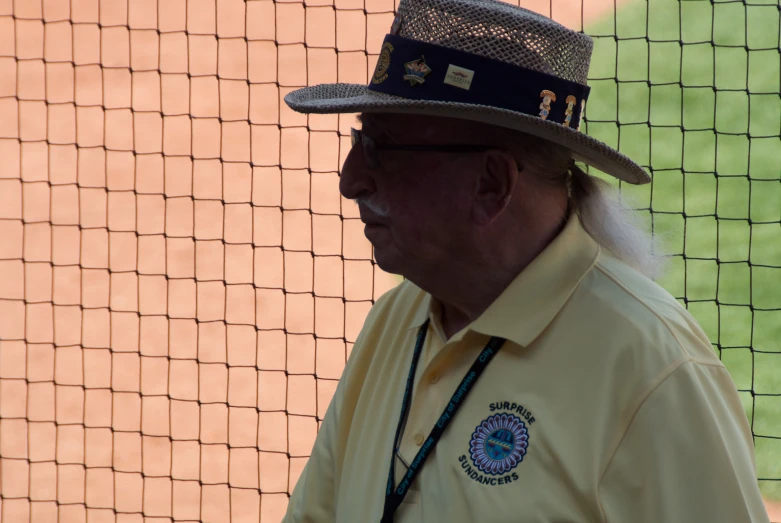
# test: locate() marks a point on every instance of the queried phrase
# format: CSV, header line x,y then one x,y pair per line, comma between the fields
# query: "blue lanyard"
x,y
394,497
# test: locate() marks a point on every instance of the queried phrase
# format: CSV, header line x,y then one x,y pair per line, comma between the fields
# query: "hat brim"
x,y
355,98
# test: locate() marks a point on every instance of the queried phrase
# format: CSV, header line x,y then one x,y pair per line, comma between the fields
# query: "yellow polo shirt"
x,y
606,403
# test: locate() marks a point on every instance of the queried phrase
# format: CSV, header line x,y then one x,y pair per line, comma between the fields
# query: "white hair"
x,y
610,219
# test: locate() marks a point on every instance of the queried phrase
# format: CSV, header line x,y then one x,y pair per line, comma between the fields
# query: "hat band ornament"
x,y
457,76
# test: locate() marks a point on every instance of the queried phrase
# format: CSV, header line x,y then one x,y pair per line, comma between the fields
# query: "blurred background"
x,y
181,282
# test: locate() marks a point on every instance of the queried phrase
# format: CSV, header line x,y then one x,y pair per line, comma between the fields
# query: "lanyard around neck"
x,y
394,496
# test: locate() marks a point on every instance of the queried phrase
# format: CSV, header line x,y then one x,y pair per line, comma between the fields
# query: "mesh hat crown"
x,y
480,60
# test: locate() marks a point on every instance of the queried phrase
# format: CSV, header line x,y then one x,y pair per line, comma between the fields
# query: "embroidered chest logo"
x,y
498,444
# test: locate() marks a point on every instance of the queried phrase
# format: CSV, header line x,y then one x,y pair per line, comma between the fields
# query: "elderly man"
x,y
528,368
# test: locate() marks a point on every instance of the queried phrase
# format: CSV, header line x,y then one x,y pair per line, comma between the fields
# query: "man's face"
x,y
415,201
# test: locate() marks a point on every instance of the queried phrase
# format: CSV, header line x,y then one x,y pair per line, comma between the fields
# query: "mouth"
x,y
371,219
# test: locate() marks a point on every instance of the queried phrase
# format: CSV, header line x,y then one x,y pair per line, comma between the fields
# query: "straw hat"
x,y
481,60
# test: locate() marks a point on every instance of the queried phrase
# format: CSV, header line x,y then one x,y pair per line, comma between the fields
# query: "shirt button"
x,y
434,378
419,439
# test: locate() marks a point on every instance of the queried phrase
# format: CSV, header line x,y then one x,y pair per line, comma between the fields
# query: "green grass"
x,y
695,87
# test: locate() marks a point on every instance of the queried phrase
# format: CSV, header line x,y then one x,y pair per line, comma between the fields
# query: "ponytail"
x,y
615,225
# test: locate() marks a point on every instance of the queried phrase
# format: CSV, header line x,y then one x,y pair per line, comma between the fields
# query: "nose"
x,y
356,178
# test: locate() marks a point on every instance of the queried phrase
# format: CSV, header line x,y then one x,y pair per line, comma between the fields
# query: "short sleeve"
x,y
687,455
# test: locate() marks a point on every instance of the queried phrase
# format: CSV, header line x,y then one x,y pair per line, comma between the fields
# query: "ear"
x,y
495,186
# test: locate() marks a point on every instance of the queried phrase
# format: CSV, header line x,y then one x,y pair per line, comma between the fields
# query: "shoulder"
x,y
396,307
387,306
644,344
385,326
631,334
390,314
641,315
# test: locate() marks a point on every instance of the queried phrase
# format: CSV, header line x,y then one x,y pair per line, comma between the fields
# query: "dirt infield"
x,y
178,294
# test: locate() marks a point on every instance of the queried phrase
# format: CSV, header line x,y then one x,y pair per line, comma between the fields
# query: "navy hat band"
x,y
424,71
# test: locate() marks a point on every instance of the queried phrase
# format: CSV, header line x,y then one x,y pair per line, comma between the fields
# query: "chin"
x,y
391,266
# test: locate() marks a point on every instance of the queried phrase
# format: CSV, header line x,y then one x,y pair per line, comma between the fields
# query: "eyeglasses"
x,y
371,147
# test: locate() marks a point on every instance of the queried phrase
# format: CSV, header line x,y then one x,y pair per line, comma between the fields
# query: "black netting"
x,y
181,283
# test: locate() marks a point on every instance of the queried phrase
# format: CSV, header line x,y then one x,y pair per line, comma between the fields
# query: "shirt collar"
x,y
537,294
